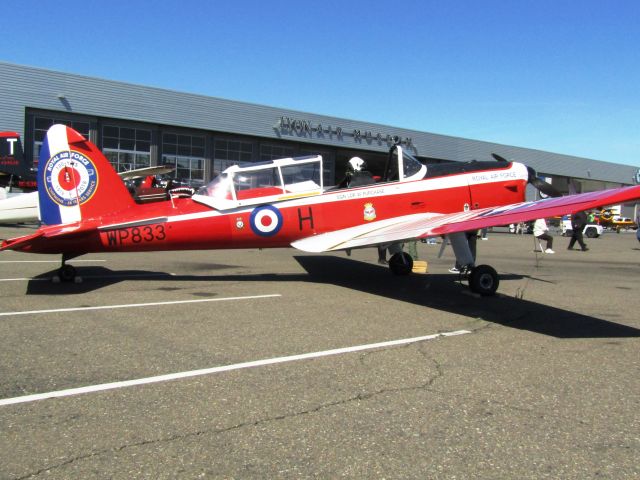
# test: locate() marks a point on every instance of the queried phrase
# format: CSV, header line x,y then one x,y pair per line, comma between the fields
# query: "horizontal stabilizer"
x,y
20,242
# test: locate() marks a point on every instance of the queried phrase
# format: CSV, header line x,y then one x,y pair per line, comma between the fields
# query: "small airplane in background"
x,y
17,182
85,207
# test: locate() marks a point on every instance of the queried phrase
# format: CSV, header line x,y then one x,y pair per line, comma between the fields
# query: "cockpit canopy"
x,y
288,178
263,182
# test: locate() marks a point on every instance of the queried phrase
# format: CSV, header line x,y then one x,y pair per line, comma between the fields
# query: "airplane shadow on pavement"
x,y
443,292
438,291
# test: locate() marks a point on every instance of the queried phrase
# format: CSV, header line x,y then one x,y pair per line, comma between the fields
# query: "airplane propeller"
x,y
499,158
543,187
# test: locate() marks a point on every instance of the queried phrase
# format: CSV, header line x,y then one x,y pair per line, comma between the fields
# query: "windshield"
x,y
411,165
403,166
219,188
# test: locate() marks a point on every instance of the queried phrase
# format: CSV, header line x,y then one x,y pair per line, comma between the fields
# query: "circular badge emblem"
x,y
69,178
266,221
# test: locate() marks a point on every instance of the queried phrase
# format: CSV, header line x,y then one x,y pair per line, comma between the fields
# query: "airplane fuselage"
x,y
186,224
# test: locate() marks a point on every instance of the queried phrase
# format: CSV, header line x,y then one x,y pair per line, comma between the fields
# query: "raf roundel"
x,y
69,178
266,221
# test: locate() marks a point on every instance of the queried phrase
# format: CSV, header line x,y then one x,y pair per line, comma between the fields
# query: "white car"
x,y
591,230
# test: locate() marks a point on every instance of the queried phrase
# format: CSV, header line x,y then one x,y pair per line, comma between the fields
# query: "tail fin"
x,y
12,161
75,180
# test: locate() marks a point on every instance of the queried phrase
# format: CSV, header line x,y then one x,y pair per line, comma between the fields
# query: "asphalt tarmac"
x,y
223,364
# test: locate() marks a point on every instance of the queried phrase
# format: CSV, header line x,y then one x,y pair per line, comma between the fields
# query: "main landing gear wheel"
x,y
484,280
401,263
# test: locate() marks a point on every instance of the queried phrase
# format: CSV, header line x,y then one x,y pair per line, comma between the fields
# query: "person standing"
x,y
541,232
578,222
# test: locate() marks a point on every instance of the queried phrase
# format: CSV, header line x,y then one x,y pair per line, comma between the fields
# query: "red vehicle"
x,y
86,207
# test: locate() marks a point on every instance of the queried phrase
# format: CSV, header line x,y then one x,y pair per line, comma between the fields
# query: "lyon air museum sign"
x,y
306,128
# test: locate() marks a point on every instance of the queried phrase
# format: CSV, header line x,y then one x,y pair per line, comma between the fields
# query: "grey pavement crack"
x,y
359,397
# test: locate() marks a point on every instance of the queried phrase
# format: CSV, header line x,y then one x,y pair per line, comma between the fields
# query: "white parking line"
x,y
86,277
226,368
51,261
134,305
25,279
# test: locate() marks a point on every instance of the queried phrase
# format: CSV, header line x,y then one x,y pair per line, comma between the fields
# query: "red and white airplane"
x,y
85,207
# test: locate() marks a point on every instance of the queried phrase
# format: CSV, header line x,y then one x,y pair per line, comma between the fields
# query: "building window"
x,y
186,153
272,152
231,152
126,148
42,125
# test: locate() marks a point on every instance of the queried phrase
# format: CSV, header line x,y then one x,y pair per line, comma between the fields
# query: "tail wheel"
x,y
401,263
67,273
484,280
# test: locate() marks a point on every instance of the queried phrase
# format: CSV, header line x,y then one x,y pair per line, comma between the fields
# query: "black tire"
x,y
484,280
401,263
67,273
591,232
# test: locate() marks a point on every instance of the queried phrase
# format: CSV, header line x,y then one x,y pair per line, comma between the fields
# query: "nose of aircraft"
x,y
544,187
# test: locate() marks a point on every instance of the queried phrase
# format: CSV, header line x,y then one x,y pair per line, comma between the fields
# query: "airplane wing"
x,y
431,224
22,207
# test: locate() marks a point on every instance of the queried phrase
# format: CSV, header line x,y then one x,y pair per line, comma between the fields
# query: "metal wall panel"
x,y
22,87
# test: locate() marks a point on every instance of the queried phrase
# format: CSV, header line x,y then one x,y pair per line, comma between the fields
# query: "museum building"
x,y
138,126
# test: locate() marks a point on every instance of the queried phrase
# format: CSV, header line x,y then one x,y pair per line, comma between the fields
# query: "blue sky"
x,y
561,76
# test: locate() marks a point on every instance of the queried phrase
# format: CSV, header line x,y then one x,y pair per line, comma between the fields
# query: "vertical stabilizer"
x,y
75,181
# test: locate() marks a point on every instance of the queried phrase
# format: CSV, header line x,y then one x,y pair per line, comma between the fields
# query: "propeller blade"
x,y
544,187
